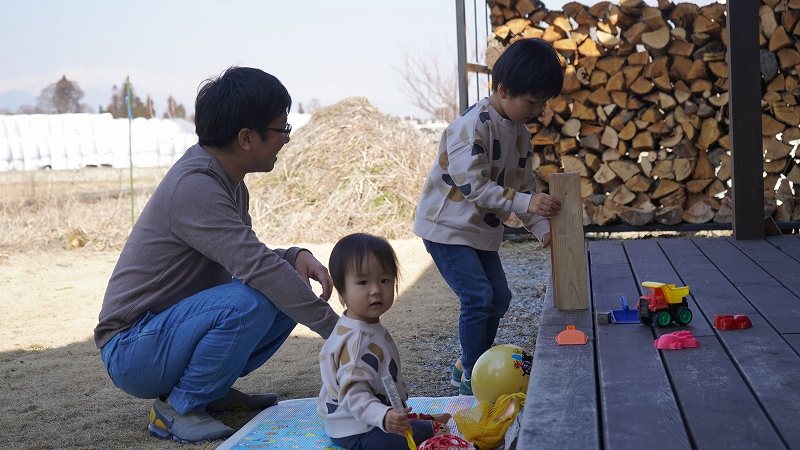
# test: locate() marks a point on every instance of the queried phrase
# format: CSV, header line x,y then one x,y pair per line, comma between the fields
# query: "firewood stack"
x,y
643,114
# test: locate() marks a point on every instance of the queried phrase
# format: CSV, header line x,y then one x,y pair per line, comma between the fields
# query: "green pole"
x,y
130,142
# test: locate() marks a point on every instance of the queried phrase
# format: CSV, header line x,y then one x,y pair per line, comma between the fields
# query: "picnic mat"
x,y
295,424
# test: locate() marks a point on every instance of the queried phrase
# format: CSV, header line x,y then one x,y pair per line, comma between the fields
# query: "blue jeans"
x,y
195,350
478,279
377,438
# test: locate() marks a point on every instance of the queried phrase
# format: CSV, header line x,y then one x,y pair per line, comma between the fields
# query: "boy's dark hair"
x,y
529,66
239,98
351,251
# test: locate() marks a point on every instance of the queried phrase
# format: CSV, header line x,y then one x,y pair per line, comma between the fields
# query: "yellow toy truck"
x,y
664,303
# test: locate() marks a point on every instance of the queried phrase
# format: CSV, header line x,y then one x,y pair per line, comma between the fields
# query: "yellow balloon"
x,y
503,369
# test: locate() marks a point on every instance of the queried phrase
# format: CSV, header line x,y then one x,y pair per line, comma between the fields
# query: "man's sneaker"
x,y
191,428
458,372
465,387
239,401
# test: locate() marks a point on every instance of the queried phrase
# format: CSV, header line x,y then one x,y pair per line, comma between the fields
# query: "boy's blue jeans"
x,y
478,279
195,350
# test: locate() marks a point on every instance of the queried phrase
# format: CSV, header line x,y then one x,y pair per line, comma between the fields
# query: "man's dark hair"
x,y
351,251
239,98
529,66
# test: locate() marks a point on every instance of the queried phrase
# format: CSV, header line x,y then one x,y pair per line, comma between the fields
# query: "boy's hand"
x,y
546,240
397,421
544,205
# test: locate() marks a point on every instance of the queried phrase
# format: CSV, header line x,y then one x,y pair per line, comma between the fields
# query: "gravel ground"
x,y
527,267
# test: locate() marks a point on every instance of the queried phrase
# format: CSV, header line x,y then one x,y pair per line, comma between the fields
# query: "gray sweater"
x,y
195,233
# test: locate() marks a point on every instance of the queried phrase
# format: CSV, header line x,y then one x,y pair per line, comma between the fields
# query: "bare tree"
x,y
430,85
150,112
174,110
29,109
61,97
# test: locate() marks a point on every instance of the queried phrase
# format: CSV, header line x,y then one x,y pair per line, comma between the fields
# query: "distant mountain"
x,y
12,100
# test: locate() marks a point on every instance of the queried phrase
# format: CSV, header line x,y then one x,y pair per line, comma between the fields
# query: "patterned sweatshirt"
x,y
481,174
352,362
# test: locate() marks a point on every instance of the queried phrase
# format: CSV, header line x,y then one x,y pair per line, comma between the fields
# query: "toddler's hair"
x,y
351,251
529,66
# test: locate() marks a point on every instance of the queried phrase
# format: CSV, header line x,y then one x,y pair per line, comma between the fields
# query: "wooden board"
x,y
566,233
788,243
794,341
632,380
764,292
561,403
763,358
781,266
719,410
719,399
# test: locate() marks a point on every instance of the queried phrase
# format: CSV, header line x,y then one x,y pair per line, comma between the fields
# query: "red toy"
x,y
444,442
663,303
731,322
676,341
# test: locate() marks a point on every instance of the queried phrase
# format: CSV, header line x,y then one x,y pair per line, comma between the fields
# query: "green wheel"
x,y
662,318
684,316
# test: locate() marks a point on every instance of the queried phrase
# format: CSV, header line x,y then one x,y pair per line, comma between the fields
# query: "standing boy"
x,y
196,300
482,173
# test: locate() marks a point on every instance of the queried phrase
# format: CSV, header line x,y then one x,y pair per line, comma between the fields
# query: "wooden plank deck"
x,y
739,389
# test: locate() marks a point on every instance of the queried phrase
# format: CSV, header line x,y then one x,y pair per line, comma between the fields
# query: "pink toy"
x,y
677,341
731,322
444,442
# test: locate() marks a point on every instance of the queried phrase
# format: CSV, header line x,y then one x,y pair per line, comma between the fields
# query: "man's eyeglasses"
x,y
286,131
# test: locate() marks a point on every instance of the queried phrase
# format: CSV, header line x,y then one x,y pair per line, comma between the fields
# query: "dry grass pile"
x,y
350,168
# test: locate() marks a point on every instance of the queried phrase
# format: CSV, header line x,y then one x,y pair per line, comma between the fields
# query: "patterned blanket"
x,y
294,424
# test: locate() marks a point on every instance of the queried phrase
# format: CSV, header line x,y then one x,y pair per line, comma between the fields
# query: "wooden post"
x,y
744,78
567,251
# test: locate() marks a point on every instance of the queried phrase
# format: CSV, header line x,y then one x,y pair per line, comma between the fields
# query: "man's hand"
x,y
397,421
309,268
544,205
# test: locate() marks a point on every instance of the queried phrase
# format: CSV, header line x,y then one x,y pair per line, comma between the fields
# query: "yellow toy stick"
x,y
397,404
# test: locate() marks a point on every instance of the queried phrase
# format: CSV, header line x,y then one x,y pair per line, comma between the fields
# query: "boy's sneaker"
x,y
465,387
191,428
458,373
236,400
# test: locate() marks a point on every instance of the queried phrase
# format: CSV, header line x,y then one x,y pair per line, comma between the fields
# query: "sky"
x,y
326,50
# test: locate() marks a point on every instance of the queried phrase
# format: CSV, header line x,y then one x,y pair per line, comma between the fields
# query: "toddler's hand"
x,y
397,421
544,205
546,240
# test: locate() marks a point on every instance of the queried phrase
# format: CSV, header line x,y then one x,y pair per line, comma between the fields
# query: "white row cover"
x,y
75,141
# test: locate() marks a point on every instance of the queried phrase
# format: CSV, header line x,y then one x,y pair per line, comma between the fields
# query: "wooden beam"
x,y
744,77
478,68
566,237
